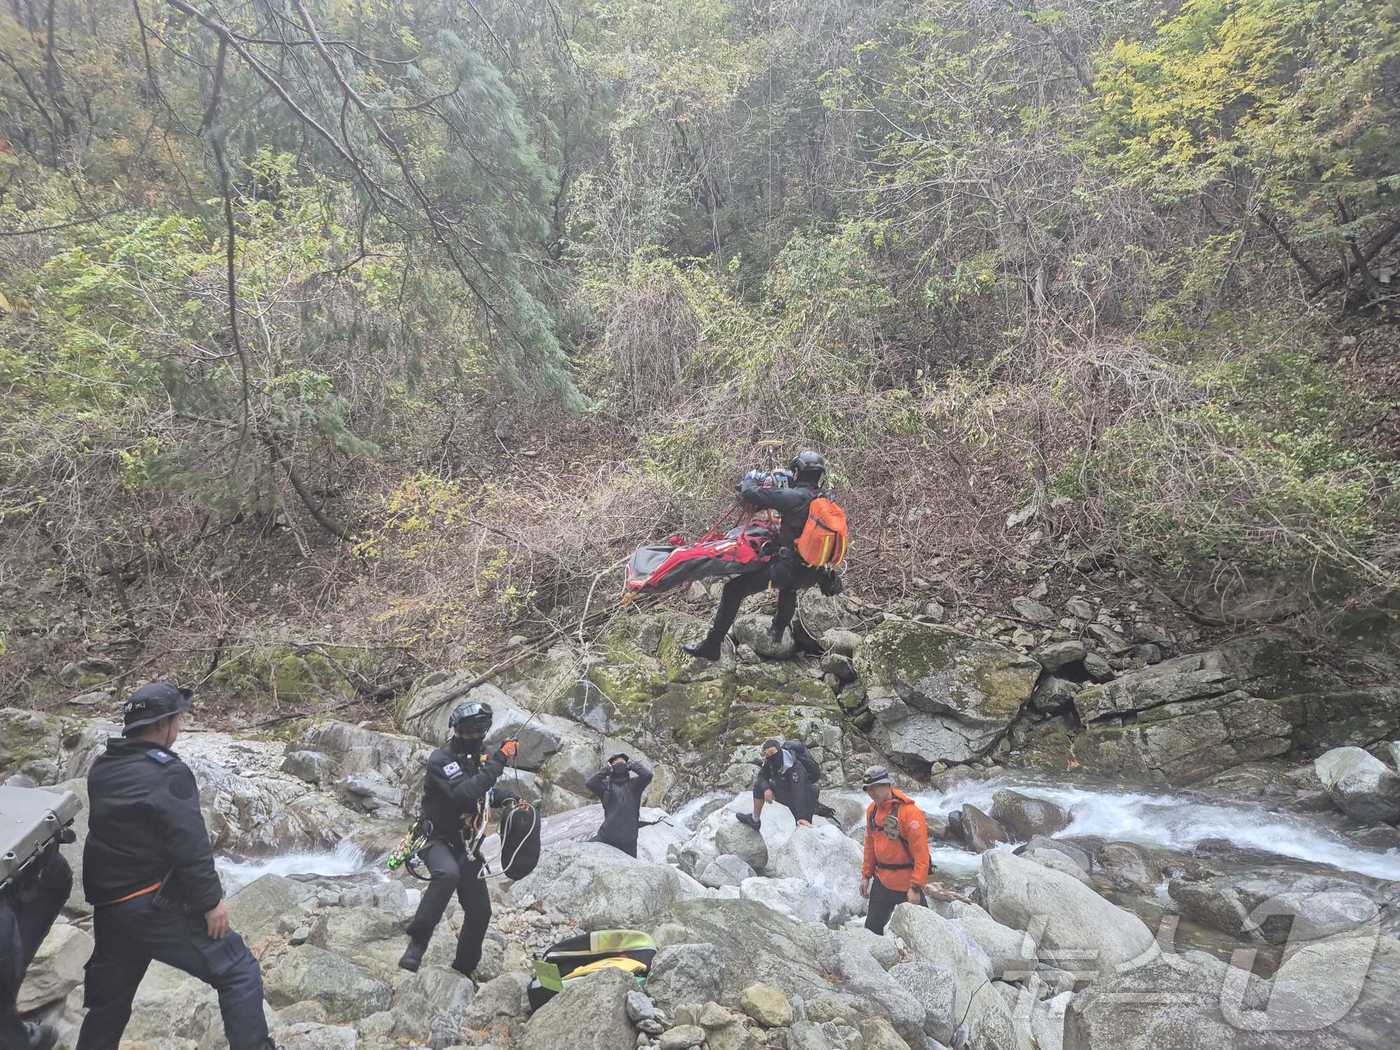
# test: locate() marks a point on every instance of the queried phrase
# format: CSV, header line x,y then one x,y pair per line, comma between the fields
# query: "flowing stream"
x,y
1158,820
1173,822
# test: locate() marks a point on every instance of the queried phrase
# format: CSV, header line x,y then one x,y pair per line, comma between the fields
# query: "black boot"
x,y
412,956
706,650
39,1036
751,821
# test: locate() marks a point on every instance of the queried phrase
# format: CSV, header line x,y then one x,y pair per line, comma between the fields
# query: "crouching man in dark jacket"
x,y
788,774
149,874
619,786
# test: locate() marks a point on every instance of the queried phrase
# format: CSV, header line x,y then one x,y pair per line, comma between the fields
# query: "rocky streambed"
x,y
1148,848
1087,910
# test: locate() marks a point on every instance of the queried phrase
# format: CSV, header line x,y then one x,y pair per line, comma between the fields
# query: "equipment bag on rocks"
x,y
520,837
576,958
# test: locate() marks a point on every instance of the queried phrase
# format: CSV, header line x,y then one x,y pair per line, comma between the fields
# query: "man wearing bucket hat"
x,y
896,864
149,873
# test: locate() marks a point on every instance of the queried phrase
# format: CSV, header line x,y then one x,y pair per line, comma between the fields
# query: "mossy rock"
x,y
940,671
30,743
290,674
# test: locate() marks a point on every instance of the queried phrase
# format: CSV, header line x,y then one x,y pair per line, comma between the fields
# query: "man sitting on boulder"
x,y
788,774
619,786
792,496
896,864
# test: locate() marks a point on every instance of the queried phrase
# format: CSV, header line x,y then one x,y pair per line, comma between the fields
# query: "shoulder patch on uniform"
x,y
452,770
163,757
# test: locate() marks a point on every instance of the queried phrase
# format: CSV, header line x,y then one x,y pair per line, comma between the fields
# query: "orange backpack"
x,y
823,540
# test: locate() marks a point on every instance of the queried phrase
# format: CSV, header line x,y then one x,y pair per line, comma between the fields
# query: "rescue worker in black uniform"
x,y
786,571
149,873
619,786
783,777
456,790
29,904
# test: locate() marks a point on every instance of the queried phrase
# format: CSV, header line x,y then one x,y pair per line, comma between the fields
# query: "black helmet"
x,y
808,465
472,716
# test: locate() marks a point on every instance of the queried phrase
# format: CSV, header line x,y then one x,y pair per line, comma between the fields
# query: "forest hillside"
x,y
394,328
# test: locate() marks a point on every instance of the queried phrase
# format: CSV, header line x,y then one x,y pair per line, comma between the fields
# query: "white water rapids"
x,y
1173,822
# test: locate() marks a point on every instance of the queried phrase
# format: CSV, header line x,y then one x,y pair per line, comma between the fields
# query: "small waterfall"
x,y
345,859
1173,822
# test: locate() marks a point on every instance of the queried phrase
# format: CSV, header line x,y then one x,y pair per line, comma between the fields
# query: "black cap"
x,y
770,742
152,702
614,758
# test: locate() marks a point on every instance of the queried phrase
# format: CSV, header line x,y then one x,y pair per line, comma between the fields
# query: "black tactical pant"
x,y
27,910
785,572
131,934
883,902
453,871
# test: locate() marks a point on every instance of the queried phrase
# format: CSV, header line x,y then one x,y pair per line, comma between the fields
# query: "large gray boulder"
x,y
940,942
742,841
57,967
705,844
352,749
685,973
309,1035
172,1004
1360,785
1337,994
756,944
1026,817
935,989
374,939
499,1009
1071,918
266,813
792,897
829,863
589,1014
347,991
1010,952
598,886
725,870
1189,718
256,910
433,1000
1275,908
861,975
939,695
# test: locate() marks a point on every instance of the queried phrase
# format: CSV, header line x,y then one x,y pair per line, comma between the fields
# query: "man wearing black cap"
x,y
149,873
787,774
619,786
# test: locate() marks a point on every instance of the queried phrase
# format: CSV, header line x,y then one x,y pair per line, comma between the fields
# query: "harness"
x,y
871,830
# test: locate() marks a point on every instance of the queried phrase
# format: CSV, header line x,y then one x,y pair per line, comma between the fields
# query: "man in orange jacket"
x,y
896,865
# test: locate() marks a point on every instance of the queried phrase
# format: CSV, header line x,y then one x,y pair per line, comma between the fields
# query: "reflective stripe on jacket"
x,y
897,862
